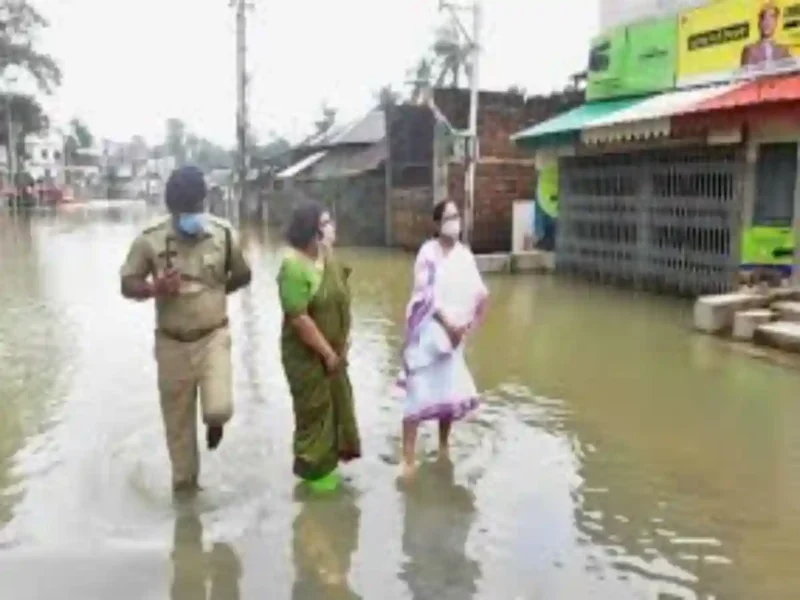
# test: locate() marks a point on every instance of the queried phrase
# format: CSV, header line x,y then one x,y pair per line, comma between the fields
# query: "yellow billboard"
x,y
733,39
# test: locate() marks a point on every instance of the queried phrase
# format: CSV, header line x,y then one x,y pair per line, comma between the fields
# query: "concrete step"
x,y
745,322
714,314
533,261
784,335
788,310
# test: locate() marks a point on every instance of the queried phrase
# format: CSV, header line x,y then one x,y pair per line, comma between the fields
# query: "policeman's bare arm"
x,y
135,270
311,335
240,272
134,287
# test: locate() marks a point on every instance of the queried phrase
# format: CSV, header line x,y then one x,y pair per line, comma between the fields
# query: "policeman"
x,y
189,262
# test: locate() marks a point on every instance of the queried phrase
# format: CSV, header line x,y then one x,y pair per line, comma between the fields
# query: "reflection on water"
x,y
437,566
195,570
325,537
616,454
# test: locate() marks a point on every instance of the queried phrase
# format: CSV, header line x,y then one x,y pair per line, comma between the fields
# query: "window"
x,y
44,154
776,177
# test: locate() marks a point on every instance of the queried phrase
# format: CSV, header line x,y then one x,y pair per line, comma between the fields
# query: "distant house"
x,y
44,157
345,169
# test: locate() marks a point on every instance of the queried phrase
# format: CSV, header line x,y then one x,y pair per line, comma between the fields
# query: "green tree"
x,y
386,96
453,55
82,134
326,120
175,140
421,78
20,26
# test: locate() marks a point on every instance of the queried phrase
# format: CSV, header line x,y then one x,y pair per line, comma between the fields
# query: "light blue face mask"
x,y
192,223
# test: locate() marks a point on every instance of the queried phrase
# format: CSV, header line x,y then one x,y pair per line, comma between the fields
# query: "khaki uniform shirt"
x,y
202,301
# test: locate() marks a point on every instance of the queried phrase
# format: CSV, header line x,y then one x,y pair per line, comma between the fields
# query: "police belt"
x,y
195,335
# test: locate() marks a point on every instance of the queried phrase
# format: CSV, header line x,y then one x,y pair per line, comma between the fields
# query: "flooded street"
x,y
616,455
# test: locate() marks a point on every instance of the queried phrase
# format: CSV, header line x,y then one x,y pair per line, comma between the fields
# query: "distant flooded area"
x,y
616,454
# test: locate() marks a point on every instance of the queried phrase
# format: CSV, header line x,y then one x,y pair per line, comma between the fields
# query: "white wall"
x,y
622,12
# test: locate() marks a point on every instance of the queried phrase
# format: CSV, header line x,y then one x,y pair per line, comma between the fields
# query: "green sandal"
x,y
326,483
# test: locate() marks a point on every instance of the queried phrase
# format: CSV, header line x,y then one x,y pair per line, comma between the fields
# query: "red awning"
x,y
773,99
761,91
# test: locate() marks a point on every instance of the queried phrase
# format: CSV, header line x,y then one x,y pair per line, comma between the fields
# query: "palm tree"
x,y
453,55
387,97
422,76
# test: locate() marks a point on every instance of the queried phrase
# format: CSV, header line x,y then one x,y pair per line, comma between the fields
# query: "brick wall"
x,y
411,216
505,173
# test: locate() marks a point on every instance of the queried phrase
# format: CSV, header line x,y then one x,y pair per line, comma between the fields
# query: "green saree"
x,y
325,424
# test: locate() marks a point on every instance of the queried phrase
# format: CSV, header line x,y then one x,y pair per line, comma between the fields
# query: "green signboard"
x,y
767,246
606,61
634,60
547,189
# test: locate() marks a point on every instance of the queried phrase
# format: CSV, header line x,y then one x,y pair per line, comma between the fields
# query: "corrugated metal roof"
x,y
301,165
348,162
776,89
369,129
566,126
649,118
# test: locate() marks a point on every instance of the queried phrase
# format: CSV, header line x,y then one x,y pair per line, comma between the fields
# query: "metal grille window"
x,y
776,177
666,220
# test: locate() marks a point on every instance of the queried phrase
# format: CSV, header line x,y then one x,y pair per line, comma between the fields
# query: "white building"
x,y
44,156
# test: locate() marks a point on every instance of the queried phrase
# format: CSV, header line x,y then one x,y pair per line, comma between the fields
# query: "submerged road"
x,y
616,455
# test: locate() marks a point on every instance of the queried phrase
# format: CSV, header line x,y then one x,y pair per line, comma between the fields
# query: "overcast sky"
x,y
129,65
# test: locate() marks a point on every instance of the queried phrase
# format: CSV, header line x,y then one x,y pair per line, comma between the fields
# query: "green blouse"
x,y
299,279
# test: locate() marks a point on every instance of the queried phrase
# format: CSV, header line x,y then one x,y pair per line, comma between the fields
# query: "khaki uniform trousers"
x,y
184,370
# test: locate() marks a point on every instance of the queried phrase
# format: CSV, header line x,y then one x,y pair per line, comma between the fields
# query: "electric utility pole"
x,y
242,162
471,135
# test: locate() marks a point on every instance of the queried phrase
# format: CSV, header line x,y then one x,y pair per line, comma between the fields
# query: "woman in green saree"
x,y
315,298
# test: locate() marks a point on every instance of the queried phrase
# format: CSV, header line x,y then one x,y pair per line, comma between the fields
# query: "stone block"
x,y
714,314
493,263
788,310
745,322
532,261
784,335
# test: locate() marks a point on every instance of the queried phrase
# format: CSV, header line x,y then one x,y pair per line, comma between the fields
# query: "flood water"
x,y
616,455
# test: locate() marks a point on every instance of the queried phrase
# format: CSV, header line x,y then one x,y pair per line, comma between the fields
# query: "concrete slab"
x,y
493,263
714,314
533,261
745,322
780,334
787,310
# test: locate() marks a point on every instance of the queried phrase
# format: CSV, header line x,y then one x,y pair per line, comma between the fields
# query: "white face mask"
x,y
328,235
451,229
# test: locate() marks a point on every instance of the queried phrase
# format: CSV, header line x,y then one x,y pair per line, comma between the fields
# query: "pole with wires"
x,y
242,162
471,134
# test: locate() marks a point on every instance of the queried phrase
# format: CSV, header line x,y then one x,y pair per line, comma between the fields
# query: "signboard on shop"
x,y
738,39
633,60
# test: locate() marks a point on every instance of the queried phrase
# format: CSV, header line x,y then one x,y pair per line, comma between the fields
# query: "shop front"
x,y
688,185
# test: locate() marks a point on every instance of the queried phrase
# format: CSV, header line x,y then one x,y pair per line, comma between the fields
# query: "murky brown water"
x,y
617,455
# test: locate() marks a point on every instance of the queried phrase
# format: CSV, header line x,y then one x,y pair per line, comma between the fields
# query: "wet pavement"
x,y
616,456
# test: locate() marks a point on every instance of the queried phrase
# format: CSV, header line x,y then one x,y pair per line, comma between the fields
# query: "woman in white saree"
x,y
447,303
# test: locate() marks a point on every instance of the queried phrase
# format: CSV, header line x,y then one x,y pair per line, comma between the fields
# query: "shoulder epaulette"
x,y
156,224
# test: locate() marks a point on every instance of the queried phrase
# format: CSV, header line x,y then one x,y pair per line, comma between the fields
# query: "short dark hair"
x,y
185,190
304,224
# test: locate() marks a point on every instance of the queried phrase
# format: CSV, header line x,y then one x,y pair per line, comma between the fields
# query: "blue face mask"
x,y
192,223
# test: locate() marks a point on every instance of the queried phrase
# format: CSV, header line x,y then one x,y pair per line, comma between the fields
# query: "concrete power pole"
x,y
242,162
471,135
